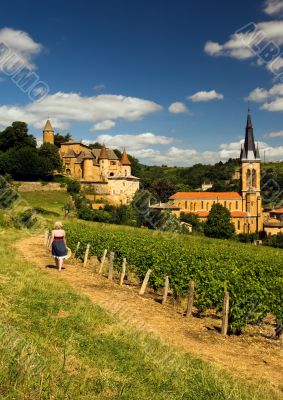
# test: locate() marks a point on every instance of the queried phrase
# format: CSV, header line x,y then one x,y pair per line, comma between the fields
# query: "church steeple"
x,y
249,151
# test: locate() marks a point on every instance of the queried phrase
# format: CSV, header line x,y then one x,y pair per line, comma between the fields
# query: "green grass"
x,y
56,344
50,201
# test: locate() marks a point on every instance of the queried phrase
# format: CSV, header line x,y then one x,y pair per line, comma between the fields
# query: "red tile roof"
x,y
207,195
277,211
234,214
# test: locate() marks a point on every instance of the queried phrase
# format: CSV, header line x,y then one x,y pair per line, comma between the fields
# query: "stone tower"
x,y
125,164
48,133
250,177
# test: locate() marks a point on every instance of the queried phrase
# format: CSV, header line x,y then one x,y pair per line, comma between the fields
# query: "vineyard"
x,y
252,275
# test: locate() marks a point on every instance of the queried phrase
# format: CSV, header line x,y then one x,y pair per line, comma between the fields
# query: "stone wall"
x,y
39,187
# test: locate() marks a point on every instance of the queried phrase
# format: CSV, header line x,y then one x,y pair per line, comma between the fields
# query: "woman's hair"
x,y
58,225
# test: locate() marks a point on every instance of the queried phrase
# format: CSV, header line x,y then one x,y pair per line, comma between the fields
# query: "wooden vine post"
x,y
145,282
190,299
77,249
166,288
110,271
225,313
102,262
46,237
86,254
123,273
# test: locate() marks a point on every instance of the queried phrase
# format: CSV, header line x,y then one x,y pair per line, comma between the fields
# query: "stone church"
x,y
99,171
245,207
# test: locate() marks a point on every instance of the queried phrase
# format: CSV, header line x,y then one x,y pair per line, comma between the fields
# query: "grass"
x,y
50,201
56,344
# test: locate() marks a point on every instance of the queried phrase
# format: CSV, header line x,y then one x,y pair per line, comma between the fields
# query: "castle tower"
x,y
125,164
48,133
103,161
88,174
250,177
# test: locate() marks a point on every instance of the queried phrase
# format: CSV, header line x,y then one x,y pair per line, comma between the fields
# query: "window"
x,y
68,171
202,205
186,205
111,173
254,178
239,225
126,172
191,206
225,203
113,162
207,206
237,205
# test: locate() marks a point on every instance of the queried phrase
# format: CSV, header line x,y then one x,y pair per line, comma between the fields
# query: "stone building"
x,y
99,171
245,207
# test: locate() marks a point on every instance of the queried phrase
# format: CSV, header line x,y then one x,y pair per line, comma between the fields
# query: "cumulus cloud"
x,y
66,107
134,142
104,125
20,45
187,156
260,40
206,96
272,98
273,7
274,134
178,108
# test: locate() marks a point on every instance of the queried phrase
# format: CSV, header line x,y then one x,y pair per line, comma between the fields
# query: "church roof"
x,y
48,126
125,159
234,214
207,195
249,151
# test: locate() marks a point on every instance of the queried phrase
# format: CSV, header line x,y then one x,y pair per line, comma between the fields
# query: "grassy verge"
x,y
56,344
50,201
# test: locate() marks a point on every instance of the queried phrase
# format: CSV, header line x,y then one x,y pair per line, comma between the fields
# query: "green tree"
x,y
51,153
192,219
16,136
73,186
59,139
163,189
218,224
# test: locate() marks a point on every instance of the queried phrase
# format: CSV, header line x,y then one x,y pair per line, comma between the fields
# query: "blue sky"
x,y
169,80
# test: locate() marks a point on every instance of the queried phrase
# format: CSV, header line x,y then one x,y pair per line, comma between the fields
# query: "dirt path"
x,y
251,355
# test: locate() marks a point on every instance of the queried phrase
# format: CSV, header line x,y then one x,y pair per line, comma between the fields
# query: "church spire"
x,y
249,151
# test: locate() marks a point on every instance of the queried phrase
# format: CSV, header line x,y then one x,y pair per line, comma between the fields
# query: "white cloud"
x,y
104,125
99,87
262,40
178,108
67,107
273,7
206,96
21,45
272,98
274,134
134,142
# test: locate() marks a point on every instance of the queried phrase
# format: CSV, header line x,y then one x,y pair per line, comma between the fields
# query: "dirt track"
x,y
251,356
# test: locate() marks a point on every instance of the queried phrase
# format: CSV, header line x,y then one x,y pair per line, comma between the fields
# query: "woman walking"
x,y
58,244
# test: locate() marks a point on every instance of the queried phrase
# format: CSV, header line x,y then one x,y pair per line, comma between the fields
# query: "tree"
x,y
163,189
59,139
51,152
218,224
192,219
16,136
73,186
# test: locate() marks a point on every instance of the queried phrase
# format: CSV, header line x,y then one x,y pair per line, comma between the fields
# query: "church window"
x,y
254,178
249,178
186,205
202,205
195,206
207,206
237,205
225,203
191,206
239,225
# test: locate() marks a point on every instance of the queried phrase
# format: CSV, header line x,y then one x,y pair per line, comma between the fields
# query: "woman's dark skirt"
x,y
59,249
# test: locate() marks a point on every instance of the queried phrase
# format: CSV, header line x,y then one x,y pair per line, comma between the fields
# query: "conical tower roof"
x,y
125,159
249,151
103,153
48,126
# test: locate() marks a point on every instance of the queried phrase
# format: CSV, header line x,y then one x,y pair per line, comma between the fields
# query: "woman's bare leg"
x,y
60,263
56,262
